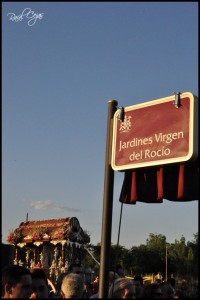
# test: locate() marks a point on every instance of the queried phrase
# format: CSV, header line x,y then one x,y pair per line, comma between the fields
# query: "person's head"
x,y
122,288
119,270
139,279
138,282
16,282
112,277
75,268
172,281
40,288
72,286
167,289
152,290
158,280
97,278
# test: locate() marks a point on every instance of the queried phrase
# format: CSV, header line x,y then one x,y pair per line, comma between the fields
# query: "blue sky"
x,y
57,78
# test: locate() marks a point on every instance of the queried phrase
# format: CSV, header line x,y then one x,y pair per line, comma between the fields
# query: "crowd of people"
x,y
21,282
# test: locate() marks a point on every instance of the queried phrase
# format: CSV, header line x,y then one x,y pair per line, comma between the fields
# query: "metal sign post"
x,y
107,207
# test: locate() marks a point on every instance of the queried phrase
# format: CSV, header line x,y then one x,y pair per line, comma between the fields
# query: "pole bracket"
x,y
177,102
121,113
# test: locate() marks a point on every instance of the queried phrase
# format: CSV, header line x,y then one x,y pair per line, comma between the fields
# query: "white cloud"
x,y
41,204
48,205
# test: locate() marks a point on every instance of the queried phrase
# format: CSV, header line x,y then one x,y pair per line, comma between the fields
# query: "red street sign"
x,y
157,132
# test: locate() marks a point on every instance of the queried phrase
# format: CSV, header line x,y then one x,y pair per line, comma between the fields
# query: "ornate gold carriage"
x,y
50,244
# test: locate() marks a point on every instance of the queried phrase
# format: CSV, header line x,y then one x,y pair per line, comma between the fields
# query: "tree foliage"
x,y
181,257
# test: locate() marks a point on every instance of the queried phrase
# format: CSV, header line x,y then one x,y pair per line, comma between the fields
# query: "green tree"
x,y
140,260
92,257
156,242
182,258
193,255
118,254
178,254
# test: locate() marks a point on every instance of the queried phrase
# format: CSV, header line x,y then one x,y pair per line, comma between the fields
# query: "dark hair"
x,y
150,290
12,275
171,281
138,278
39,274
74,265
119,270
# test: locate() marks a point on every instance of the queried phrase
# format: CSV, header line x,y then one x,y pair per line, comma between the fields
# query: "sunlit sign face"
x,y
155,133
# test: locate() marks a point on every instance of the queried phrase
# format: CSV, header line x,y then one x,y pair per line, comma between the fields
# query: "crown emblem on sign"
x,y
126,125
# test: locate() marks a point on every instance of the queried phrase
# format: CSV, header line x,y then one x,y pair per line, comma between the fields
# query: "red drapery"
x,y
174,182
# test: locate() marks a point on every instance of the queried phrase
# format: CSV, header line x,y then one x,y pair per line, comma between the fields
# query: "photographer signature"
x,y
27,13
